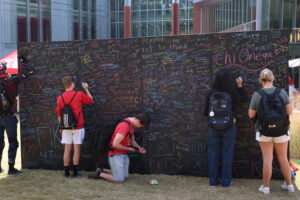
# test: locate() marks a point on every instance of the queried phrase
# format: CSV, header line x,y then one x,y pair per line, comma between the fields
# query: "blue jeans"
x,y
119,165
9,123
220,155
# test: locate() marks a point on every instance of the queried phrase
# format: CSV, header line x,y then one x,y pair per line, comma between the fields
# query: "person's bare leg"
x,y
109,177
267,152
281,152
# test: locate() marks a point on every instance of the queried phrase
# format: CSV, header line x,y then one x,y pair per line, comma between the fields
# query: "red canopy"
x,y
12,62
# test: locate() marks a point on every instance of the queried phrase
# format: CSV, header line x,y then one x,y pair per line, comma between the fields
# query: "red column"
x,y
197,17
127,19
175,17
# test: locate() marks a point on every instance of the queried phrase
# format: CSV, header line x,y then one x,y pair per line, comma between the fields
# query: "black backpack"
x,y
68,120
220,111
99,141
4,102
272,115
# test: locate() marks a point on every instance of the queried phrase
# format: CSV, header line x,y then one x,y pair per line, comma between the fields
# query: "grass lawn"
x,y
50,184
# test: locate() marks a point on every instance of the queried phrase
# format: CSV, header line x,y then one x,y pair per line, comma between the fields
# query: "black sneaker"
x,y
1,170
95,175
76,175
14,171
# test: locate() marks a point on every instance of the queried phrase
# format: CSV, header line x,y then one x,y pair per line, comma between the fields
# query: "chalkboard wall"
x,y
167,77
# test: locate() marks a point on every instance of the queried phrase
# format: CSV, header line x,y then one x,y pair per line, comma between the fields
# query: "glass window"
x,y
158,28
298,15
182,27
167,14
121,32
93,28
46,24
84,28
135,29
151,29
76,31
167,27
113,16
151,4
135,16
121,16
287,15
143,16
46,2
22,29
75,4
158,15
84,5
151,16
275,10
113,30
34,29
113,6
144,27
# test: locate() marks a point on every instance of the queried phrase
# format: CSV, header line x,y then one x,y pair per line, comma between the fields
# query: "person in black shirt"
x,y
221,142
8,103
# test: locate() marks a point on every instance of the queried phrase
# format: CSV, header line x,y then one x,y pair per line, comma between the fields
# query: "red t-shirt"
x,y
122,128
76,105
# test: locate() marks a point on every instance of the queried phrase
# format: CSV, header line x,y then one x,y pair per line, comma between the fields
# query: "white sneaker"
x,y
289,188
264,190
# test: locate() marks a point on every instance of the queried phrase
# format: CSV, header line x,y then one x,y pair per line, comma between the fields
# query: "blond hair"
x,y
266,75
67,81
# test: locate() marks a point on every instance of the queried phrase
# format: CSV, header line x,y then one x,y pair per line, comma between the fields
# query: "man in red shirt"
x,y
73,136
121,142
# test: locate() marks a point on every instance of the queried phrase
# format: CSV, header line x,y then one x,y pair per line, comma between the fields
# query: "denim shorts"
x,y
119,165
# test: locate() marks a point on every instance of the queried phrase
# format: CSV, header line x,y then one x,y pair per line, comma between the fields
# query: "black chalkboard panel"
x,y
167,77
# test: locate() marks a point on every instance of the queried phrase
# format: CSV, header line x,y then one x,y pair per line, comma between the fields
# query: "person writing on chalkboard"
x,y
73,135
8,104
122,141
272,132
221,105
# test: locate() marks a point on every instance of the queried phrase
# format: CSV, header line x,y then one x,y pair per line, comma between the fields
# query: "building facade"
x,y
51,20
57,20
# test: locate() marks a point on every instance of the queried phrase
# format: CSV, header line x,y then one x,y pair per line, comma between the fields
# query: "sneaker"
x,y
289,188
76,175
95,175
264,190
14,171
1,170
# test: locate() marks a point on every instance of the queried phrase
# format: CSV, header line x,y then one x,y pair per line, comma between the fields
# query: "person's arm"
x,y
85,86
251,113
253,105
289,109
242,92
117,143
206,108
135,144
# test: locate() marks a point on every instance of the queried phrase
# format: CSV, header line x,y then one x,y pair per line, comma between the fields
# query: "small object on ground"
x,y
153,182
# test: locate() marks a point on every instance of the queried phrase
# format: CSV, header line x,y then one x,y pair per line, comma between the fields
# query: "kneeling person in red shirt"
x,y
73,136
122,141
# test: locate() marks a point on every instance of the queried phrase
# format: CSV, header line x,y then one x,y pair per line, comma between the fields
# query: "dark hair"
x,y
144,118
225,81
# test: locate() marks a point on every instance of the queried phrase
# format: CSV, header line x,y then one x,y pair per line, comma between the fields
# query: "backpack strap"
x,y
128,126
277,91
71,99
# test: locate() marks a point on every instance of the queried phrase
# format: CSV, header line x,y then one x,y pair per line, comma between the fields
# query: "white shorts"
x,y
280,139
72,136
